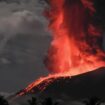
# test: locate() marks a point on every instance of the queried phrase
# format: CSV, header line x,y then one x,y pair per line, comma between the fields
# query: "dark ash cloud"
x,y
23,43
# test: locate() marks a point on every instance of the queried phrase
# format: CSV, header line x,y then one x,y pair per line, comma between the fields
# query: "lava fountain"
x,y
76,41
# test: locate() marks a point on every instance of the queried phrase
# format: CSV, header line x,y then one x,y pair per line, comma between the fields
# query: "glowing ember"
x,y
76,45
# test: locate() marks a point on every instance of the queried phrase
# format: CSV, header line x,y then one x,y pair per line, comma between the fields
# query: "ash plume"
x,y
76,46
76,36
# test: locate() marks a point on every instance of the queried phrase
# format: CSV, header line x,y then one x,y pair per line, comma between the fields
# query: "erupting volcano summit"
x,y
76,45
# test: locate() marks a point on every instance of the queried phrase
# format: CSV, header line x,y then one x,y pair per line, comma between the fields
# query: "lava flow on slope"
x,y
76,45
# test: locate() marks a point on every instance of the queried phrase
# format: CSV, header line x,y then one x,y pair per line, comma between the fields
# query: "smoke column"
x,y
76,40
76,45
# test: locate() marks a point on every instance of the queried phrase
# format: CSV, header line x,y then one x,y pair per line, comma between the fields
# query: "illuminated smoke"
x,y
77,41
76,45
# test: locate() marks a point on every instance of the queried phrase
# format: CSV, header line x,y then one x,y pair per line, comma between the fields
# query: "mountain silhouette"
x,y
77,87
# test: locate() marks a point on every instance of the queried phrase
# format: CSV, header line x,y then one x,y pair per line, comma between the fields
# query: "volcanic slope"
x,y
77,87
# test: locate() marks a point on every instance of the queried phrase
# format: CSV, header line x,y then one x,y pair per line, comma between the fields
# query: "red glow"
x,y
75,48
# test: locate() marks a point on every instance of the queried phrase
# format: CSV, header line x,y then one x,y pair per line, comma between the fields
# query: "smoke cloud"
x,y
23,23
23,43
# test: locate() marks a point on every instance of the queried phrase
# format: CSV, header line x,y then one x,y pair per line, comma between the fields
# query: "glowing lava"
x,y
76,44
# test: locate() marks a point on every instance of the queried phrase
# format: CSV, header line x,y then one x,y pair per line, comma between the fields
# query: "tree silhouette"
x,y
56,103
3,101
92,101
33,101
47,101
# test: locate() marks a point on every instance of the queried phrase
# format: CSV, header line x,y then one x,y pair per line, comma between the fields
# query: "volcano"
x,y
76,48
77,87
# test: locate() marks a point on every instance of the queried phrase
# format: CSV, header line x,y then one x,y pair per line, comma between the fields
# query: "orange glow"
x,y
75,48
